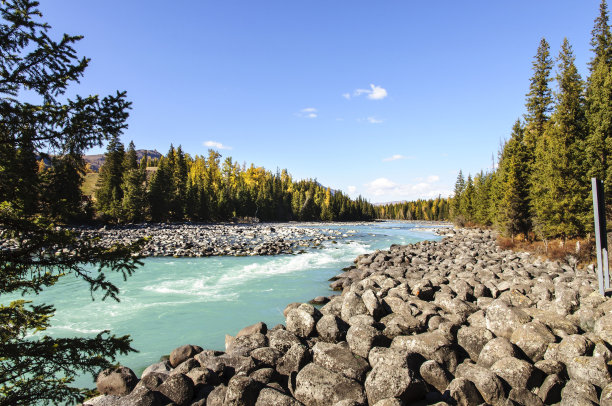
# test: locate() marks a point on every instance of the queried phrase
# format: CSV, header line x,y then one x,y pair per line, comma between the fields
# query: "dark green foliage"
x,y
34,368
459,188
512,214
109,193
539,99
437,209
560,188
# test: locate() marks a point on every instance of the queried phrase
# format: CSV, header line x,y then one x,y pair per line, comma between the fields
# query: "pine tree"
x,y
539,99
133,186
36,369
109,193
467,199
459,188
513,216
560,192
599,101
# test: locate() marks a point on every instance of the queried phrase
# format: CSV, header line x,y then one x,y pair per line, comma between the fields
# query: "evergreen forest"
x,y
178,187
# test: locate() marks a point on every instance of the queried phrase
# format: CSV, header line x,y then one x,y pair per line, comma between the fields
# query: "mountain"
x,y
96,161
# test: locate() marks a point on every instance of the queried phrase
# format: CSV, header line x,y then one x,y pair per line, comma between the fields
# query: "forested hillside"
x,y
541,186
432,209
205,188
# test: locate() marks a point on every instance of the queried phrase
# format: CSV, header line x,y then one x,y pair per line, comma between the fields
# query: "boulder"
x,y
503,319
573,346
217,396
245,344
264,375
603,328
473,339
464,392
300,322
550,390
141,396
117,381
162,367
282,340
182,353
294,360
185,366
435,375
332,328
339,358
241,391
352,305
316,386
495,350
487,383
524,397
517,373
593,370
266,356
606,396
580,389
435,346
270,396
362,338
372,304
393,357
202,376
533,338
178,388
393,382
260,328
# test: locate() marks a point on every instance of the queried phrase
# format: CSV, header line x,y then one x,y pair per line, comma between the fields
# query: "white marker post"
x,y
601,235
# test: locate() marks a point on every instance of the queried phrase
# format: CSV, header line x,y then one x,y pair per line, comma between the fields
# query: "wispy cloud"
x,y
387,190
395,157
374,120
215,144
373,93
351,189
308,112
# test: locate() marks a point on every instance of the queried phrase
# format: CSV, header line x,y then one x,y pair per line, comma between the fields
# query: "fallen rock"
x,y
116,381
393,382
182,353
340,359
316,386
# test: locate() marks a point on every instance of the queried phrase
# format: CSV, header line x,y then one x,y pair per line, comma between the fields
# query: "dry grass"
x,y
581,249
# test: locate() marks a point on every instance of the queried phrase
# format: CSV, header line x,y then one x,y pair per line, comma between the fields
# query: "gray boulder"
x,y
282,340
217,396
495,350
603,328
473,339
392,382
339,358
362,338
116,381
518,373
372,304
270,396
266,356
593,370
550,390
434,345
435,375
182,353
352,305
162,367
464,392
524,397
243,345
241,391
573,346
294,360
178,388
260,328
606,396
487,383
332,328
580,389
141,397
533,338
316,386
503,319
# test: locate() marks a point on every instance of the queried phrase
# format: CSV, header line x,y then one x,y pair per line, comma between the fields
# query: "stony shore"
x,y
203,240
453,322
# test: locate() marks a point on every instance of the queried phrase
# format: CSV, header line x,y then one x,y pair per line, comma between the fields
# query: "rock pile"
x,y
203,240
455,322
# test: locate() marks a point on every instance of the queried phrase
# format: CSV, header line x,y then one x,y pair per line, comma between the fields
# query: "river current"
x,y
169,302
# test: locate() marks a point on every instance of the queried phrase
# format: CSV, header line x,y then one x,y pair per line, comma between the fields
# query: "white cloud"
x,y
374,120
351,189
374,93
215,144
385,189
394,158
308,112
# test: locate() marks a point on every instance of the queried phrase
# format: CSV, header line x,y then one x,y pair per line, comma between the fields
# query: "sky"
x,y
384,99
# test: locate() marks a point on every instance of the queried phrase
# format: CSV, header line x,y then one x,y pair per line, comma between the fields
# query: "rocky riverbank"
x,y
203,240
454,322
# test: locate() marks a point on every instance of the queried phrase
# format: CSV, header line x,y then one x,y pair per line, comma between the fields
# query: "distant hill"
x,y
96,161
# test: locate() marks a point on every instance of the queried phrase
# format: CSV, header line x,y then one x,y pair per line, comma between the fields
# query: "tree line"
x,y
541,186
437,209
204,188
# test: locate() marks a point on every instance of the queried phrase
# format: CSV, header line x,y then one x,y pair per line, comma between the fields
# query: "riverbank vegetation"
x,y
541,188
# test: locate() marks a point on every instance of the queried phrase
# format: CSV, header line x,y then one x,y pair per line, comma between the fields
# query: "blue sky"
x,y
387,99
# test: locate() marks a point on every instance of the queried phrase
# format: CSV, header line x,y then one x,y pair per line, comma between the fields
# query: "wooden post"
x,y
601,235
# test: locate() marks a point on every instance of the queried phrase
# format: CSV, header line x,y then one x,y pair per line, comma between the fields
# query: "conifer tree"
x,y
539,99
109,193
35,368
599,101
133,186
467,199
459,188
513,216
560,197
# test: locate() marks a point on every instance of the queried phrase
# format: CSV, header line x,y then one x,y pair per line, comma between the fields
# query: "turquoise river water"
x,y
174,301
